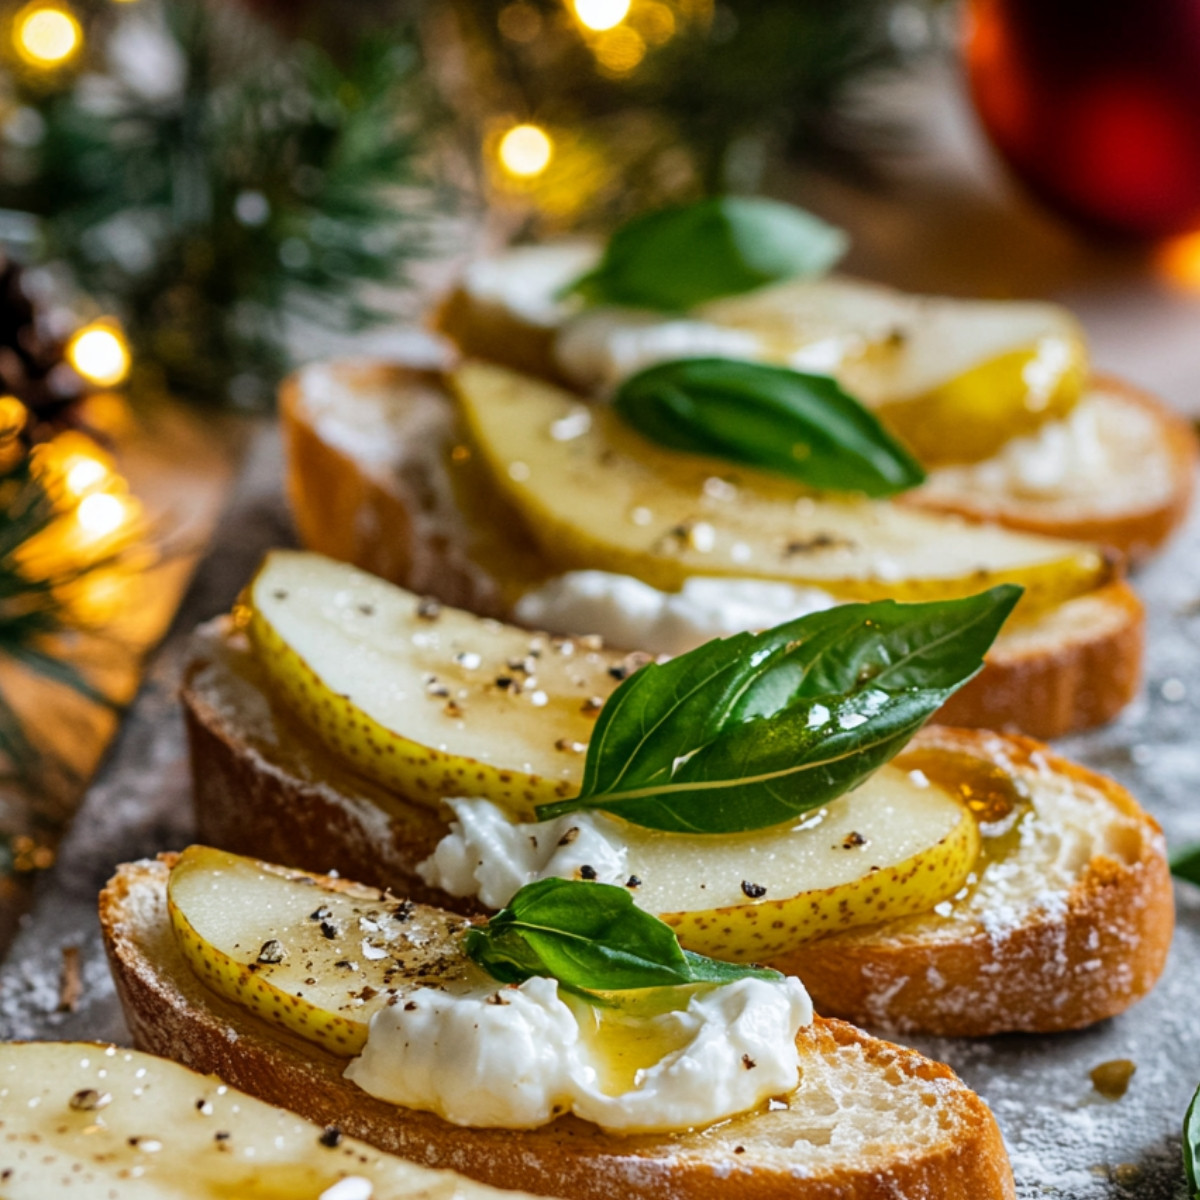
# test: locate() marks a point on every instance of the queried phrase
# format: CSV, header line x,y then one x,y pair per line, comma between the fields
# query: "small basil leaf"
x,y
1191,1145
677,258
590,937
801,426
1185,863
749,731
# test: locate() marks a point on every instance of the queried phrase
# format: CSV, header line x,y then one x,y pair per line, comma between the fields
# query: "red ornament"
x,y
1096,106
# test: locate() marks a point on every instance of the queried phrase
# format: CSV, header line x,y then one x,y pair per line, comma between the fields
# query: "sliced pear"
x,y
427,701
892,847
606,498
316,961
955,378
96,1122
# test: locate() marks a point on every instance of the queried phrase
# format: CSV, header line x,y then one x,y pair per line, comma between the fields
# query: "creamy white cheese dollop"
x,y
601,347
487,855
517,1057
627,612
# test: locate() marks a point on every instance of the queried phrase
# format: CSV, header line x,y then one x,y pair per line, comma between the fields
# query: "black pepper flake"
x,y
748,1062
739,1149
279,594
331,1136
329,929
504,682
222,1136
853,839
346,963
322,914
452,709
754,890
88,1100
411,1006
367,610
586,872
633,882
591,706
496,998
272,952
403,911
428,609
821,541
568,837
618,672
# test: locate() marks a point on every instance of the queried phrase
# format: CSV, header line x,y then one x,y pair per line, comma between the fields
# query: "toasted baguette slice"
x,y
95,1122
1071,926
869,1120
368,481
1133,508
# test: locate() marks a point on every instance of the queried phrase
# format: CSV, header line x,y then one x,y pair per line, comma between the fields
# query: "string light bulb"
x,y
100,514
85,474
46,35
100,353
600,15
525,151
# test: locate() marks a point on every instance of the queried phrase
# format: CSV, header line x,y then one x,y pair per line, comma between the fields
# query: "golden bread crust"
x,y
1137,533
171,1013
1084,960
289,802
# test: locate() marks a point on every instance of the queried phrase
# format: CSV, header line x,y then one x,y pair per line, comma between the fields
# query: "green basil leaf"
x,y
677,258
1185,863
798,425
1191,1145
750,731
591,937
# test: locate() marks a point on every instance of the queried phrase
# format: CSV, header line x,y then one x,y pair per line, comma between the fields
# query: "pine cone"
x,y
33,365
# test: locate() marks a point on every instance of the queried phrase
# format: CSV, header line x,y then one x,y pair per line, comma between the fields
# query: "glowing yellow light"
x,y
12,418
620,50
526,151
100,354
1179,261
84,475
100,514
601,14
46,35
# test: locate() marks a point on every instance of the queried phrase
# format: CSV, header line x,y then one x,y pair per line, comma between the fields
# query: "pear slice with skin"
x,y
94,1122
316,961
606,498
955,378
890,848
426,701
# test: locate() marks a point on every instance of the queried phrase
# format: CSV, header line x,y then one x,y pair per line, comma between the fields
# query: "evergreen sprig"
x,y
252,186
36,611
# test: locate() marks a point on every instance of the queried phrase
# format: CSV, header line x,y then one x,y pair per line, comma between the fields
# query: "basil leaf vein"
x,y
750,731
676,258
590,937
798,425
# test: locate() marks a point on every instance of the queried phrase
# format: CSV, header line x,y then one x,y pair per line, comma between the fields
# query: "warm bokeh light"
x,y
601,14
100,514
85,475
620,50
525,151
100,354
1179,261
46,35
13,416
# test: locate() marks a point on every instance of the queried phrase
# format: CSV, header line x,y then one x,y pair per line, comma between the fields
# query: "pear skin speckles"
x,y
759,931
427,706
316,961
